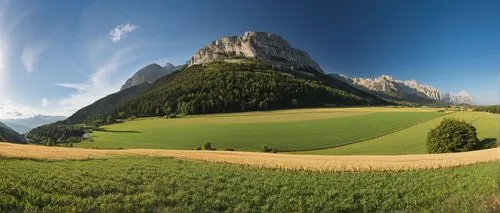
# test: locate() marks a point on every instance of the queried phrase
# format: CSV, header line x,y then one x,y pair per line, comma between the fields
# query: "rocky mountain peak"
x,y
462,97
150,74
410,90
267,47
169,65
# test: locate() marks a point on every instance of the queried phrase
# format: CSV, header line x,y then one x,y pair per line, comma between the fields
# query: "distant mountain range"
x,y
460,98
409,91
24,125
9,135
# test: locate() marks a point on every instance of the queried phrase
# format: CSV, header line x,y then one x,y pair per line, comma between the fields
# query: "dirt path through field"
x,y
266,160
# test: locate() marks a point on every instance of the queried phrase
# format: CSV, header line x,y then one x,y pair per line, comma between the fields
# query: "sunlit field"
x,y
285,130
412,140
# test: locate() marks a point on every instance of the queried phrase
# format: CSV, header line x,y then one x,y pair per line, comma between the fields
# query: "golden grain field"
x,y
266,160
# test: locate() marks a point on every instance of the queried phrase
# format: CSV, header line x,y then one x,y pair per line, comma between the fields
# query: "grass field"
x,y
165,184
283,130
412,140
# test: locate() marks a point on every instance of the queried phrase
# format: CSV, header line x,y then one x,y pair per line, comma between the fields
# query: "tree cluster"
x,y
492,109
53,134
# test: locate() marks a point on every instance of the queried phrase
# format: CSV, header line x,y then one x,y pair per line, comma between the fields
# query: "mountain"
x,y
18,127
9,135
388,88
24,125
256,71
269,48
149,74
460,98
104,106
249,85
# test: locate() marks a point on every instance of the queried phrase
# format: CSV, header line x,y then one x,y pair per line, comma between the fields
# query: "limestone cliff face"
x,y
460,98
386,84
268,47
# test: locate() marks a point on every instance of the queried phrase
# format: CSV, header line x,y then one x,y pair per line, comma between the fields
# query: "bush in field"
x,y
208,146
452,135
266,148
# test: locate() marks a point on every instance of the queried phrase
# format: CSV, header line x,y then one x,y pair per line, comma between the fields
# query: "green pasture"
x,y
283,133
412,140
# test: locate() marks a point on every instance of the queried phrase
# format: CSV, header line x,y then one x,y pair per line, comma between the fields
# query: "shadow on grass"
x,y
488,143
116,131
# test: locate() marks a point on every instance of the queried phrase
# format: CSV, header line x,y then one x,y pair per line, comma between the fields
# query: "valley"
x,y
245,123
282,130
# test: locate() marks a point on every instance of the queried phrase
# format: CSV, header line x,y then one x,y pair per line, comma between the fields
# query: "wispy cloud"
x,y
10,109
120,31
99,83
30,57
45,102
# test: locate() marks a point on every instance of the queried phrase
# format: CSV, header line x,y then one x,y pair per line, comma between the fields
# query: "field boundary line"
x,y
371,138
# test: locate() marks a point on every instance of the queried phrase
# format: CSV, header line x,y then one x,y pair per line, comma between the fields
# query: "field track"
x,y
266,160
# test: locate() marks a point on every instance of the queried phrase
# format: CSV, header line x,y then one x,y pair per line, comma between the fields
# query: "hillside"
x,y
9,135
104,106
232,87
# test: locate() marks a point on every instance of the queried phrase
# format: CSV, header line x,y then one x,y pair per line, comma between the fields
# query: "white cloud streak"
x,y
45,102
31,56
120,31
98,85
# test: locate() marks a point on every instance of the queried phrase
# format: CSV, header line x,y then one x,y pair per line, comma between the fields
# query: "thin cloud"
x,y
99,83
31,56
45,102
120,31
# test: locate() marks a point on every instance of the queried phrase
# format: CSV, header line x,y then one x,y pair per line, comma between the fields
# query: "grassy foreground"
x,y
248,132
160,183
413,139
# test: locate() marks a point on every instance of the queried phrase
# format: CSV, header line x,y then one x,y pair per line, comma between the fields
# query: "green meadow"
x,y
161,184
297,130
412,140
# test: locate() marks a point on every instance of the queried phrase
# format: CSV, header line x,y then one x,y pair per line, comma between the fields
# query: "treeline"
x,y
492,109
233,87
54,134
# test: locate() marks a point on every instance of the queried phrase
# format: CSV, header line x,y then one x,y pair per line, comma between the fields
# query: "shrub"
x,y
452,135
266,148
208,146
228,149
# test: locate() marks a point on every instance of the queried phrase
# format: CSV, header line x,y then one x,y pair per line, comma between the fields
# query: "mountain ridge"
x,y
406,90
149,74
9,135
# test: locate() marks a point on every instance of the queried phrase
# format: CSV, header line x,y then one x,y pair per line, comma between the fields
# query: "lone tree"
x,y
452,135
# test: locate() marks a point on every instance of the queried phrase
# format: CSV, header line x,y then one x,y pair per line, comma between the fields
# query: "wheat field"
x,y
266,160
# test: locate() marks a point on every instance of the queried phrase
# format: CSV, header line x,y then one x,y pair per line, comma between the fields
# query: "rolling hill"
x,y
105,106
9,135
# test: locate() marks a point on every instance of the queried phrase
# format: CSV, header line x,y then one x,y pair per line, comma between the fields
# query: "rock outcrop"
x,y
460,98
149,74
267,47
387,85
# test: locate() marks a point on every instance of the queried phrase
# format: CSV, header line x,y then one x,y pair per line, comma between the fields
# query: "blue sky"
x,y
58,56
